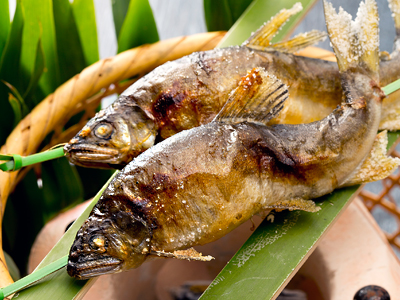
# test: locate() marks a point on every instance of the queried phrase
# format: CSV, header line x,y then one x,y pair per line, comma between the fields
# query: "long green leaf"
x,y
59,285
12,267
38,70
86,22
139,26
69,49
257,14
120,8
18,97
221,15
39,23
4,24
9,66
16,107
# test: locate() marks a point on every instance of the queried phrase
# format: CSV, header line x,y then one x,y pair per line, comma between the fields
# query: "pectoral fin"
x,y
377,166
258,98
295,204
188,254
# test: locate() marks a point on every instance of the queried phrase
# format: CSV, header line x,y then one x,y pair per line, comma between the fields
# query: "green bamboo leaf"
x,y
39,24
258,13
221,15
17,97
69,48
85,19
120,8
9,66
12,267
38,70
16,107
60,285
4,24
139,26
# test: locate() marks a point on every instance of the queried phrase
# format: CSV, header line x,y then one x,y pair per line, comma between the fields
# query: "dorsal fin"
x,y
377,165
263,36
300,41
295,44
258,97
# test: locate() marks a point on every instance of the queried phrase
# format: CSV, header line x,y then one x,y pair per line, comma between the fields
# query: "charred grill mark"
x,y
169,101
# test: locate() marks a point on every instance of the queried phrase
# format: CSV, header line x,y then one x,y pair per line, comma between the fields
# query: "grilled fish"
x,y
190,91
201,183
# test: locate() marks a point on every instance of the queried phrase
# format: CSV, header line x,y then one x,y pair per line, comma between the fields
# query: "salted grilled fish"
x,y
201,183
190,91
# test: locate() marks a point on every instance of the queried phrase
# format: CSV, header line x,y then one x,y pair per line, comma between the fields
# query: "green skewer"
x,y
16,162
391,87
33,278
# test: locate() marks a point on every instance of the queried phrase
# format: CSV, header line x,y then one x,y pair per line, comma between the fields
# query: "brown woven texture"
x,y
97,80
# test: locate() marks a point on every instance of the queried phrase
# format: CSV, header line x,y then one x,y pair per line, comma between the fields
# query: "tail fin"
x,y
356,43
395,8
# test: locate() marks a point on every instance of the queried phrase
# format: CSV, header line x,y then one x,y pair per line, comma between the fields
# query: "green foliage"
x,y
138,27
221,15
47,43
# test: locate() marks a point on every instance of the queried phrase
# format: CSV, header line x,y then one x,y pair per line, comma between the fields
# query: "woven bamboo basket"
x,y
84,92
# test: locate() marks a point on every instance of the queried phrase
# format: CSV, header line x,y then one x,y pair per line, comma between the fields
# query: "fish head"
x,y
111,240
112,138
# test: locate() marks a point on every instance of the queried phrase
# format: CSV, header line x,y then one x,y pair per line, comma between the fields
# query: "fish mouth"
x,y
91,153
94,268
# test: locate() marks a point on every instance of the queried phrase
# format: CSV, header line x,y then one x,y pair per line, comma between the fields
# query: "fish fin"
x,y
295,204
384,55
258,97
390,115
355,43
377,165
263,36
188,254
295,44
394,6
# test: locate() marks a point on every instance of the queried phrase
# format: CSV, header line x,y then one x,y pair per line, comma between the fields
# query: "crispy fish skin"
x,y
190,91
198,185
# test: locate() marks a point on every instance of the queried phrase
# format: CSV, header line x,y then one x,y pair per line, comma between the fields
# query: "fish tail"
x,y
394,6
356,43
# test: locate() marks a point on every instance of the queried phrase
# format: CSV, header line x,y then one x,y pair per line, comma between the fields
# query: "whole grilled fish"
x,y
198,185
190,91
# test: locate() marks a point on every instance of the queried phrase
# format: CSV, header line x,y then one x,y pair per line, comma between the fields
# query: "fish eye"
x,y
98,242
103,130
